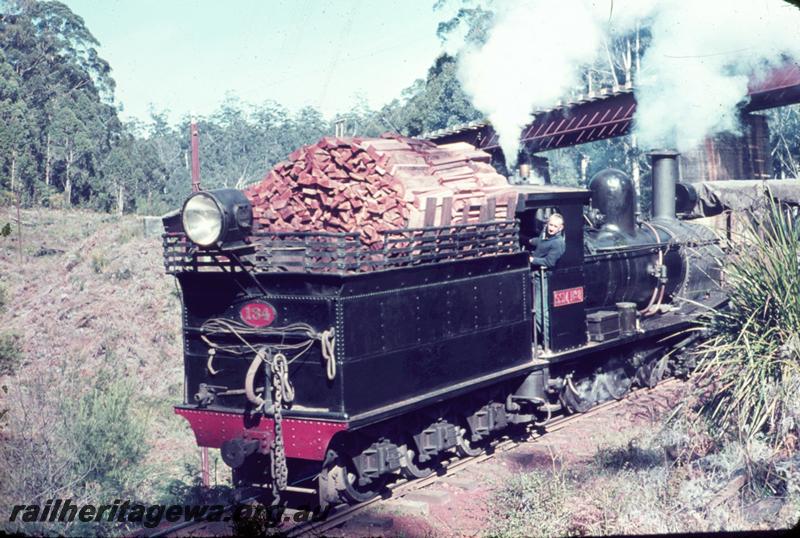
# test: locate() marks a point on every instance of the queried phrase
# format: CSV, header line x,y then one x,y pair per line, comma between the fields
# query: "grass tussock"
x,y
10,354
751,365
537,501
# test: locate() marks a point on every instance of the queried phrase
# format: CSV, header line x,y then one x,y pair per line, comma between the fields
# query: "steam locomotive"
x,y
312,359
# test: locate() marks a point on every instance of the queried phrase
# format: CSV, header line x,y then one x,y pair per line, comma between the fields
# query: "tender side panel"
x,y
423,335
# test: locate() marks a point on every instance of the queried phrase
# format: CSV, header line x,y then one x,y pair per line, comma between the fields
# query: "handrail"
x,y
328,252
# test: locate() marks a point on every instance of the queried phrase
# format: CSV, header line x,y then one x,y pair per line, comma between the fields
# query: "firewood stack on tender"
x,y
370,185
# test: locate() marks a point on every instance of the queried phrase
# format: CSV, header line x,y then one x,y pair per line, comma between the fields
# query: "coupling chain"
x,y
280,471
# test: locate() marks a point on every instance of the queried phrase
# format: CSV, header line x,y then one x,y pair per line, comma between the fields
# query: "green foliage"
x,y
49,196
434,103
630,456
7,198
189,489
752,364
10,354
108,439
78,144
784,140
71,435
56,102
240,143
17,131
475,18
651,480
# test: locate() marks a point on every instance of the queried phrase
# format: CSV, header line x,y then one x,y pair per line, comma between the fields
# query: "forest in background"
x,y
62,142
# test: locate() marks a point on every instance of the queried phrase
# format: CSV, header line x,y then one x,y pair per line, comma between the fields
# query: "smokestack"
x,y
524,163
665,176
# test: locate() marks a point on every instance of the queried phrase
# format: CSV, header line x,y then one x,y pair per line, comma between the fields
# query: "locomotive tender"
x,y
311,357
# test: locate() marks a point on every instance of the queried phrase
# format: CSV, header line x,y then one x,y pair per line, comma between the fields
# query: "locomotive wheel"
x,y
618,385
466,448
617,381
343,479
657,371
353,493
650,374
412,470
574,396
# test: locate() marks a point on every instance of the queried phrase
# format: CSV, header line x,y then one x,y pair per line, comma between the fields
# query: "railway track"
x,y
341,514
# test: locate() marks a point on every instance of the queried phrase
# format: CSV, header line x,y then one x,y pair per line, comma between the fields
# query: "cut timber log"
x,y
374,185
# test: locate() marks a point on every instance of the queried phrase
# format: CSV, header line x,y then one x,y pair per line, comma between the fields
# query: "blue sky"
x,y
185,55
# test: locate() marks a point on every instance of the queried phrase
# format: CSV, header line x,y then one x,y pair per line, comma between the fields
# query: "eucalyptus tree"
x,y
68,93
270,120
17,133
438,101
232,146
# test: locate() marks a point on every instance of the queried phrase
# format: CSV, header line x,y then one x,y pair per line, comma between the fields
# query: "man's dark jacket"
x,y
549,251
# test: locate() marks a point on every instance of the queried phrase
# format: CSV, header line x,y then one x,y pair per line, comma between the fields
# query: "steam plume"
x,y
696,70
528,62
694,74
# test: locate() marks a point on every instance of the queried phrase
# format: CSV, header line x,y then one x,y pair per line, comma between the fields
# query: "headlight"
x,y
221,217
202,220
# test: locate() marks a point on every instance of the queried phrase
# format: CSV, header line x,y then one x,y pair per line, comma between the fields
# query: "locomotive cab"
x,y
559,291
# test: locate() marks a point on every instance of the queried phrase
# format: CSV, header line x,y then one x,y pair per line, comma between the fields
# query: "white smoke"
x,y
697,67
529,61
694,74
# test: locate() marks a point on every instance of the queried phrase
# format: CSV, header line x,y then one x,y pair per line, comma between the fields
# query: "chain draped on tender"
x,y
280,382
218,326
276,368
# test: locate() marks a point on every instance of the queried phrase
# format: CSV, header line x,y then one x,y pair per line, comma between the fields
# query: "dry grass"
x,y
654,480
93,314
